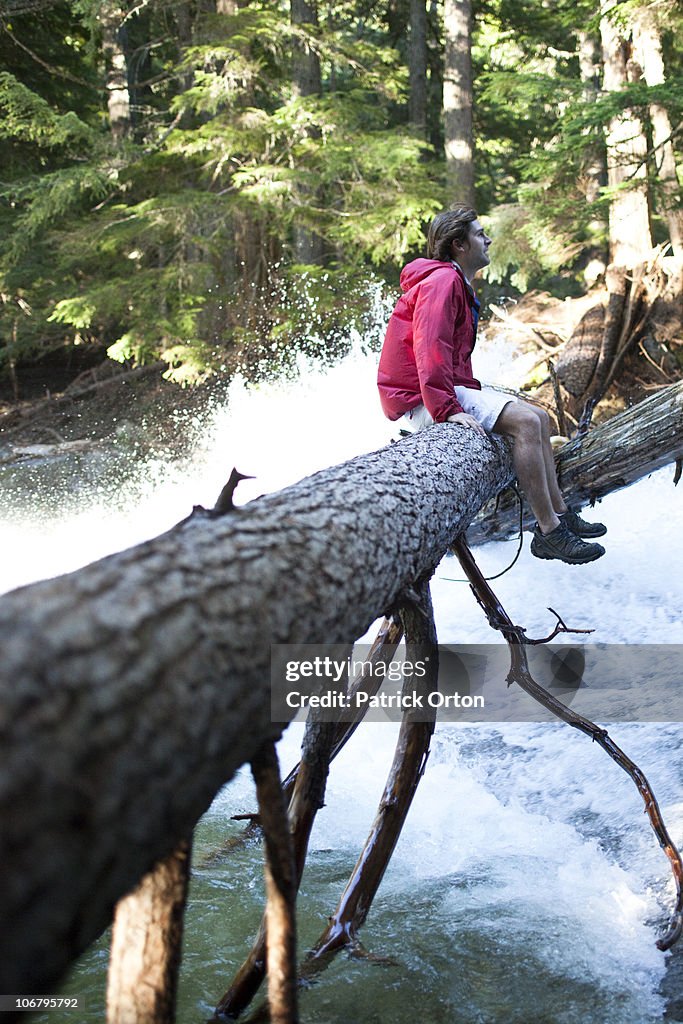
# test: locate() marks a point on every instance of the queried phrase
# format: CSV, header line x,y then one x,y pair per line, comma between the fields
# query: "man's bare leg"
x,y
529,428
521,422
579,526
558,502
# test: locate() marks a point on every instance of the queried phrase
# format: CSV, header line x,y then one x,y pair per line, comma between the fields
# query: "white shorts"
x,y
485,406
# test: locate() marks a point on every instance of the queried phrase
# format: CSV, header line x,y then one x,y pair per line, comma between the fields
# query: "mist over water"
x,y
527,884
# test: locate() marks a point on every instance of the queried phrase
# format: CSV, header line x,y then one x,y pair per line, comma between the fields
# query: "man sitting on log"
x,y
425,377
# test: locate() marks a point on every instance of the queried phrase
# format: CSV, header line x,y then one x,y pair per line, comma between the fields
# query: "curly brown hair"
x,y
450,226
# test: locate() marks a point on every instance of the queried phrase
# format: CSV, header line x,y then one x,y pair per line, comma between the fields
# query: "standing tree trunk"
x,y
306,81
629,218
417,63
590,67
595,168
457,101
648,52
110,18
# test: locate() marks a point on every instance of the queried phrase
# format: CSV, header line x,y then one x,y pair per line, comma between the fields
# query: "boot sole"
x,y
591,535
566,559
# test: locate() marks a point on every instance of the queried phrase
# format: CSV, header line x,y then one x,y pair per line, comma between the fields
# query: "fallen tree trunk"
x,y
626,448
131,690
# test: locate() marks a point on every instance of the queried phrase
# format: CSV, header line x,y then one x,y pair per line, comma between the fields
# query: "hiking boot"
x,y
580,527
563,544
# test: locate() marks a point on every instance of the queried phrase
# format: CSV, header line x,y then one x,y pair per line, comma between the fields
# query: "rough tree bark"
x,y
125,687
629,219
417,63
146,944
457,101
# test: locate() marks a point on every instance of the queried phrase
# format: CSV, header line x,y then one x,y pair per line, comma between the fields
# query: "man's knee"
x,y
519,421
541,415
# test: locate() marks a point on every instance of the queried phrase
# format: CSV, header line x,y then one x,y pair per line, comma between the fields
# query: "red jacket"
x,y
429,342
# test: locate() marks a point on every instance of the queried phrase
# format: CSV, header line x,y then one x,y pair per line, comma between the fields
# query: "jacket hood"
x,y
419,269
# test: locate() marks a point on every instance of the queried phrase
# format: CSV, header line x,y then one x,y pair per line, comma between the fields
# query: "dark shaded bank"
x,y
111,404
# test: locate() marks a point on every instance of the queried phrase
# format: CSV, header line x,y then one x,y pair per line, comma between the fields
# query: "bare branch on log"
x,y
560,627
412,751
617,285
635,315
559,404
368,680
224,502
519,673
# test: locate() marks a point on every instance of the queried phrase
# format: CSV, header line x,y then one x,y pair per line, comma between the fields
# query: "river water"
x,y
527,885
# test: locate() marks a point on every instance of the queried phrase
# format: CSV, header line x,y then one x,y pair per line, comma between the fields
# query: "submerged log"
x,y
407,769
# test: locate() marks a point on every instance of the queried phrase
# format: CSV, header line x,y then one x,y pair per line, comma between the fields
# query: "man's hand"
x,y
465,420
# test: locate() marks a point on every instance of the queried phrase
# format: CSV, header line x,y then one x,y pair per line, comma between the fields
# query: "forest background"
x,y
215,183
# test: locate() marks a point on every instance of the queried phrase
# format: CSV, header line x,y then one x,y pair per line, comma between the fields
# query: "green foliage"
x,y
527,248
42,202
168,247
183,240
26,117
